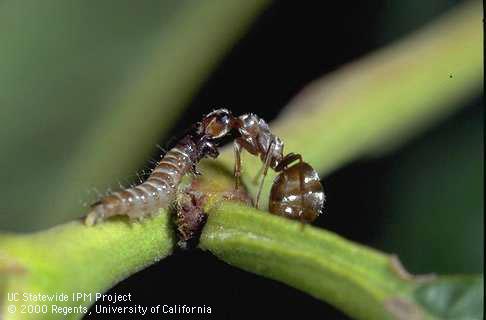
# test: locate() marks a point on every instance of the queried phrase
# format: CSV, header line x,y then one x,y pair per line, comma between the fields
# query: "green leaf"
x,y
453,297
431,186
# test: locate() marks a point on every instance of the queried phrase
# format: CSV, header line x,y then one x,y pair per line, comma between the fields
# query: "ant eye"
x,y
217,124
217,128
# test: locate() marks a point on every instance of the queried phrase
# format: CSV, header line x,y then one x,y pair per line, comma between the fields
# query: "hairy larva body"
x,y
156,192
160,188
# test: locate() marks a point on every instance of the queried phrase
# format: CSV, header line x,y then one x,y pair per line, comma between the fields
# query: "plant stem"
x,y
354,278
72,258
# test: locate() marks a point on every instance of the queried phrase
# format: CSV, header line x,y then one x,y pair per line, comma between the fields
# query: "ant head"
x,y
217,124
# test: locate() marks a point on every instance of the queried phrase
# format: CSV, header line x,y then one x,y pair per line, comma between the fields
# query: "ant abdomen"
x,y
297,193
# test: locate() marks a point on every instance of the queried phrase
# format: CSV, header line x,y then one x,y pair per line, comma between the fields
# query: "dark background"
x,y
289,46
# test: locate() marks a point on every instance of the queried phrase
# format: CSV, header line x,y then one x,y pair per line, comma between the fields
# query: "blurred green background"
x,y
87,89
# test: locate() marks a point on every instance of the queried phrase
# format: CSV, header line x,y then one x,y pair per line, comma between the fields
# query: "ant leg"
x,y
264,173
237,169
287,160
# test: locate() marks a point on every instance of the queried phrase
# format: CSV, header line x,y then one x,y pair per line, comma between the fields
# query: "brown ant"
x,y
296,192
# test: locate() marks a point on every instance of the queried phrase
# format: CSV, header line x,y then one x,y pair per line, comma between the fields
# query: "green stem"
x,y
72,258
360,281
354,278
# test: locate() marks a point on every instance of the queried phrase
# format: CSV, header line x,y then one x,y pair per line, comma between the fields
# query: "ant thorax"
x,y
256,138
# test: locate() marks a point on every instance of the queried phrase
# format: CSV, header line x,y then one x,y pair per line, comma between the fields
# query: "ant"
x,y
296,192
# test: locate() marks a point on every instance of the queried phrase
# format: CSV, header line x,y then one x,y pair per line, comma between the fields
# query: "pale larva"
x,y
159,190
